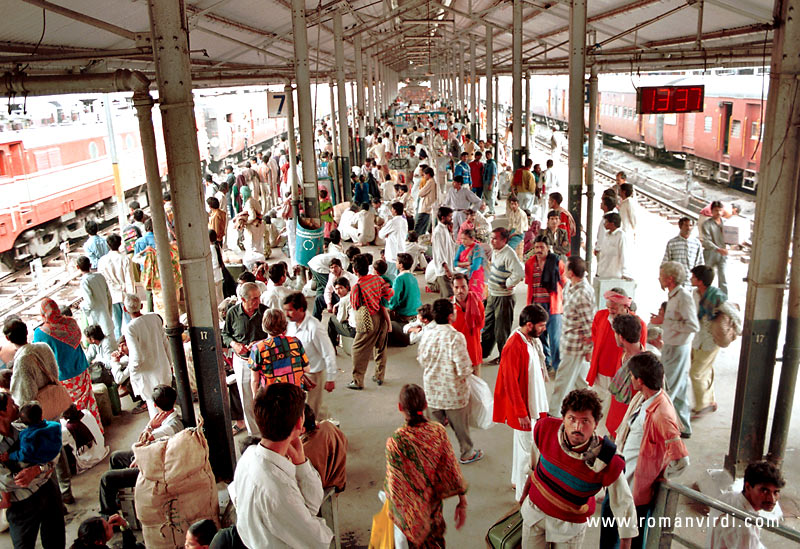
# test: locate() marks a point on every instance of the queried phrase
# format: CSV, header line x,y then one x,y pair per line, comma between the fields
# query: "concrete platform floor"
x,y
368,417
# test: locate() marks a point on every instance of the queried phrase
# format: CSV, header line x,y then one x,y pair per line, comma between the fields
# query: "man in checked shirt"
x,y
576,334
33,491
685,248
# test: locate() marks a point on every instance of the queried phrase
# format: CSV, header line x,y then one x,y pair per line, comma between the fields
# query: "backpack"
x,y
726,326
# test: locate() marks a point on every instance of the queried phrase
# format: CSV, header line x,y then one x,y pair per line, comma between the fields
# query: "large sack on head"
x,y
175,488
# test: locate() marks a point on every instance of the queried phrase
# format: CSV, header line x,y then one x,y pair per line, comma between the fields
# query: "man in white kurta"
x,y
394,231
520,407
148,354
117,269
461,198
96,300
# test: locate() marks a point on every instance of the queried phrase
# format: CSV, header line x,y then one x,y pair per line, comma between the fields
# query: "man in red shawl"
x,y
520,397
606,355
469,312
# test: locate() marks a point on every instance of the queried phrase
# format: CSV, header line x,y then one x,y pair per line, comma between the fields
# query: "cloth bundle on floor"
x,y
175,488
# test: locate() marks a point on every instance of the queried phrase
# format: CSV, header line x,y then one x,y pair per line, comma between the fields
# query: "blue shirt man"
x,y
462,169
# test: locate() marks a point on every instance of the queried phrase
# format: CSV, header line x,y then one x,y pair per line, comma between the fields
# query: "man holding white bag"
x,y
446,370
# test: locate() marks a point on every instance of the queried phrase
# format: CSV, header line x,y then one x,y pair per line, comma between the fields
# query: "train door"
x,y
726,109
688,130
14,159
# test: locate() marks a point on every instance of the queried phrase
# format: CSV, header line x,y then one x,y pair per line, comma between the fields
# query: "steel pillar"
x,y
489,96
292,152
359,109
371,95
577,68
590,162
766,277
527,122
173,72
473,92
143,103
337,192
497,121
516,91
112,152
343,162
306,118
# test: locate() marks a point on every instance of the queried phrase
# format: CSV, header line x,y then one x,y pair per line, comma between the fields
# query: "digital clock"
x,y
669,99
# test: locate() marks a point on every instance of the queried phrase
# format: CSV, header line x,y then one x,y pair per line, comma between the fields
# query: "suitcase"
x,y
506,533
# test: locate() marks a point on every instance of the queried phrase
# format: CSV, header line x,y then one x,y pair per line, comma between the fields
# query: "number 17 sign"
x,y
276,104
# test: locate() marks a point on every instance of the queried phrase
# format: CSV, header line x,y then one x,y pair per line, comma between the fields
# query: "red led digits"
x,y
670,99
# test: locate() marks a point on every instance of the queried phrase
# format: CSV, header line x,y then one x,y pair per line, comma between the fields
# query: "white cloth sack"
x,y
481,403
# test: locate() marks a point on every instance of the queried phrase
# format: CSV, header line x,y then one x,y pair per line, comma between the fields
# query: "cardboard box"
x,y
731,234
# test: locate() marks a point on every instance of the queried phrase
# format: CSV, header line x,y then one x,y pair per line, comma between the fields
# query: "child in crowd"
x,y
5,380
416,251
344,323
335,242
380,267
200,534
416,328
388,188
326,211
82,439
99,354
38,444
469,223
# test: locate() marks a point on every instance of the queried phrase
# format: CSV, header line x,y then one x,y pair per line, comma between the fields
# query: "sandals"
x,y
477,455
237,430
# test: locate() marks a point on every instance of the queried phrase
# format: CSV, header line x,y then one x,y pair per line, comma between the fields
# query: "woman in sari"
x,y
63,335
421,471
470,259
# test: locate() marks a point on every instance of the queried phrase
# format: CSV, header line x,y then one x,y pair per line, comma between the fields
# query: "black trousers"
x,y
42,512
320,306
121,475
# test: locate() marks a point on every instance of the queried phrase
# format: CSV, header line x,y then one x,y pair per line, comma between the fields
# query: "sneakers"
x,y
378,381
354,386
477,455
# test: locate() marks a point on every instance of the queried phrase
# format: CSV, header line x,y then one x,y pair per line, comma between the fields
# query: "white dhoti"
x,y
242,372
521,459
571,375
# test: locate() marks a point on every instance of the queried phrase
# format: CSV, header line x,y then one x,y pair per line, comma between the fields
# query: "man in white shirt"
x,y
148,353
96,298
117,270
276,490
347,223
679,323
444,252
320,267
612,252
329,297
344,322
365,227
378,153
762,489
627,210
394,231
276,292
461,198
317,345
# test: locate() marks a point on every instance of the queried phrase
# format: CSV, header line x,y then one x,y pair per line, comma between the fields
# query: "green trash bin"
x,y
308,243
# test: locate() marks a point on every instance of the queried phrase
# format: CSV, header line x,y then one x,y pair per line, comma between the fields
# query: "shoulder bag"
x,y
53,397
363,318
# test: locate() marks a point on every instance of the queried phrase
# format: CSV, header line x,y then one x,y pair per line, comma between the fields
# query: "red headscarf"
x,y
63,328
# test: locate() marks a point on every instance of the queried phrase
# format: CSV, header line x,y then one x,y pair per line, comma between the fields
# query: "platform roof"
x,y
249,41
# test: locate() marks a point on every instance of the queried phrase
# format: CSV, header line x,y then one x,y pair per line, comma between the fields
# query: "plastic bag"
x,y
382,534
481,403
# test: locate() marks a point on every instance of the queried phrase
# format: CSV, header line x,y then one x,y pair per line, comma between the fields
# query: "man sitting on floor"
x,y
123,472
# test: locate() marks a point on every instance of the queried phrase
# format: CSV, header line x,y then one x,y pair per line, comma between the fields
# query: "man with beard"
x,y
545,278
469,311
570,464
520,397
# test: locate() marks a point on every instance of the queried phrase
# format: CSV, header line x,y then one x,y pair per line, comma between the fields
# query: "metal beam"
x,y
577,69
516,91
388,17
83,18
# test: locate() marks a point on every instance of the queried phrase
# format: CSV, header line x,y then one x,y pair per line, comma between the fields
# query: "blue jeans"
x,y
677,360
391,271
551,340
609,535
120,316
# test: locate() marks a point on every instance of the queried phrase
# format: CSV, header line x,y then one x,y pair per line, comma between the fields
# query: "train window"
x,y
707,123
129,142
671,119
736,128
754,130
94,152
616,111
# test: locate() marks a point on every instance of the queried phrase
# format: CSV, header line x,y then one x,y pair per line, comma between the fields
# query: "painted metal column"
x,y
143,103
112,152
473,92
336,184
527,122
305,111
359,109
289,90
766,276
343,159
489,96
462,99
173,72
577,69
590,162
371,93
516,91
497,120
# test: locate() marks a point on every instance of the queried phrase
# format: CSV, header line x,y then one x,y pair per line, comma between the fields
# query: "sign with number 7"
x,y
276,104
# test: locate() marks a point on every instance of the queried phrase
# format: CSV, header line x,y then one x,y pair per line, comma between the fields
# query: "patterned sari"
x,y
470,261
421,471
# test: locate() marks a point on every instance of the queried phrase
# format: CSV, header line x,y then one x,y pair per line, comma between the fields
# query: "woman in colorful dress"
x,y
421,471
470,259
326,211
63,335
278,358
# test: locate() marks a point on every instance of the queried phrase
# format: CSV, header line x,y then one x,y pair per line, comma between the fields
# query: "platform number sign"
x,y
669,99
276,104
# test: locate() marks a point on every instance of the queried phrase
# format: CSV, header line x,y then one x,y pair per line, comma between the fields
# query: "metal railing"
x,y
661,535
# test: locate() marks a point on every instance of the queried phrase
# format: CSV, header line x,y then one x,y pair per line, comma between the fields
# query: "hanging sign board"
x,y
276,104
669,99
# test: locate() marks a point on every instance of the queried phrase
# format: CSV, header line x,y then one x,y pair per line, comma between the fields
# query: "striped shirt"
x,y
7,484
505,272
576,329
370,290
686,251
